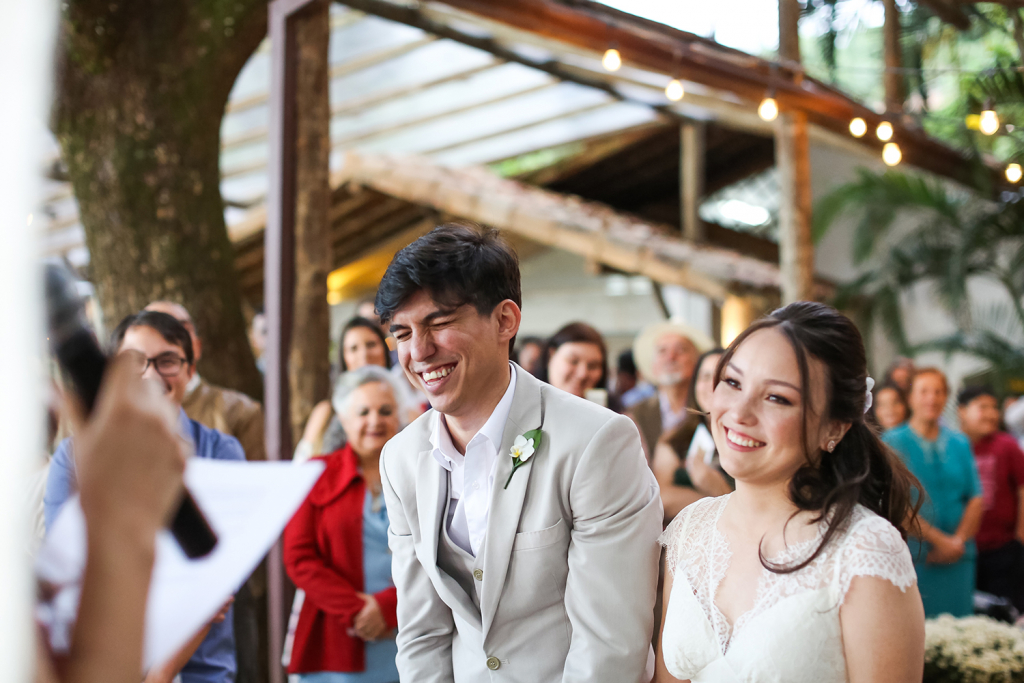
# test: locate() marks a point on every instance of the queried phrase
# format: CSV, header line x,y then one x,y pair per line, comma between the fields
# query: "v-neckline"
x,y
716,578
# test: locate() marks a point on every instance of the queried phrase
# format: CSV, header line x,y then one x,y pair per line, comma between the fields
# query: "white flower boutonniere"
x,y
522,450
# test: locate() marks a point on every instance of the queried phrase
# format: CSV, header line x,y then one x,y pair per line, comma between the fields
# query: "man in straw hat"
x,y
666,353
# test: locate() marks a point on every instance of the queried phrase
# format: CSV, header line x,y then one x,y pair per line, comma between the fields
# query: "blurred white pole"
x,y
26,46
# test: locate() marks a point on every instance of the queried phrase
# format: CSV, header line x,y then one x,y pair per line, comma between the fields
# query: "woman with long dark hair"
x,y
575,360
801,574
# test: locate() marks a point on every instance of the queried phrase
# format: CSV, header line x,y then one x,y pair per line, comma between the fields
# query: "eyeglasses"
x,y
167,364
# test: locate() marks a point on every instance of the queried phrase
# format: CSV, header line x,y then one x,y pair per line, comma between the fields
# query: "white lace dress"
x,y
792,633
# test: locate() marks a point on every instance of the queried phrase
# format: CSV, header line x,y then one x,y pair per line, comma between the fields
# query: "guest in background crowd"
x,y
576,361
230,412
225,410
530,355
1013,418
900,373
889,408
361,344
162,348
666,353
941,459
336,547
630,386
685,462
1001,470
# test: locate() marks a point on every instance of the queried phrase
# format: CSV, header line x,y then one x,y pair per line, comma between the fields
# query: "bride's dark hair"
x,y
861,469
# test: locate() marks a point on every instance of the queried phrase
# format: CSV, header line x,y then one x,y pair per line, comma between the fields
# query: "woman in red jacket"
x,y
336,548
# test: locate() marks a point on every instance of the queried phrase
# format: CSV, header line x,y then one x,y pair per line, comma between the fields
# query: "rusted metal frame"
x,y
507,131
374,99
699,60
357,64
412,123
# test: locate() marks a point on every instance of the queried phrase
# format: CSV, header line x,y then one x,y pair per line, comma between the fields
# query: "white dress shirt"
x,y
472,474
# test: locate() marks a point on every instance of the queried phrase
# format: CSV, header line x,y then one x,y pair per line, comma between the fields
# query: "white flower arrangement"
x,y
972,650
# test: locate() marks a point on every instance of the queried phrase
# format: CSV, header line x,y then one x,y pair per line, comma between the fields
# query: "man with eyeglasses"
x,y
234,413
162,349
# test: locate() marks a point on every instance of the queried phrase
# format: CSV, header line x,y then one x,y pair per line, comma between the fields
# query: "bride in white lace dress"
x,y
802,574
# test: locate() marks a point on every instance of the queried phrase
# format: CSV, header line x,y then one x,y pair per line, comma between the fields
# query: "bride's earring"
x,y
831,446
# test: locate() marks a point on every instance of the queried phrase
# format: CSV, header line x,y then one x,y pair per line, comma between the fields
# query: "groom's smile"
x,y
456,355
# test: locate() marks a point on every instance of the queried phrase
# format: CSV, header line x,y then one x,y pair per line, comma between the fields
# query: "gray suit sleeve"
x,y
425,623
613,559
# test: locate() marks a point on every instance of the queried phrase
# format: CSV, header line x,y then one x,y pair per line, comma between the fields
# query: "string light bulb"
x,y
858,127
768,110
674,90
988,122
884,132
891,154
612,60
1014,173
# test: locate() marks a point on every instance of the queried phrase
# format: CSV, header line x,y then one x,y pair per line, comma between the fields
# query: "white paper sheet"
x,y
248,506
703,443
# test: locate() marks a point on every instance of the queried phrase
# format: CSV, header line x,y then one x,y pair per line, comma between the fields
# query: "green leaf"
x,y
534,434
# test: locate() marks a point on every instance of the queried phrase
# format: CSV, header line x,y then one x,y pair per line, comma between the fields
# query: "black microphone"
x,y
79,356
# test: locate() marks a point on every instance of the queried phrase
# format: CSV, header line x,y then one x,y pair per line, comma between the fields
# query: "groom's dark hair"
x,y
456,264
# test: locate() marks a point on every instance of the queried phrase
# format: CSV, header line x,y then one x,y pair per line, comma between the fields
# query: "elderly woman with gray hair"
x,y
336,549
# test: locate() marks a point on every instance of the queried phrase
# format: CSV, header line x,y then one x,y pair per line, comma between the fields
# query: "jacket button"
x,y
478,574
493,663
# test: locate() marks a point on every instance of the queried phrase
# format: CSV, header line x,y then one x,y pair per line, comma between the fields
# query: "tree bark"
x,y
141,90
309,365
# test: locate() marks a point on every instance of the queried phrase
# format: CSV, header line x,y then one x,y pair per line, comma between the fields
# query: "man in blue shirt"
x,y
163,348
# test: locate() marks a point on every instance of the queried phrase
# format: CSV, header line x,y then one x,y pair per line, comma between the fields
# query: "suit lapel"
x,y
431,489
507,504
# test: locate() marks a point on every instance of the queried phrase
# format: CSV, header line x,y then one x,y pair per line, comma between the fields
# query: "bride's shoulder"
x,y
868,530
872,546
693,522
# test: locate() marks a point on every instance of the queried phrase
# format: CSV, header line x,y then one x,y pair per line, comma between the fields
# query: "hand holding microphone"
x,y
133,403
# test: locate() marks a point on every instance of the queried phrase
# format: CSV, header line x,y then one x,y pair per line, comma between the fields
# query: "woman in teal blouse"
x,y
944,554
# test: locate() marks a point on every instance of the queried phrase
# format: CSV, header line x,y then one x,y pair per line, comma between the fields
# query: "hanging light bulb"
x,y
1014,173
891,154
674,90
768,109
988,122
858,127
612,60
884,131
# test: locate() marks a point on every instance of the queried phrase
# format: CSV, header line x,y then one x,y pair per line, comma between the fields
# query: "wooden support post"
x,y
309,362
293,69
893,79
796,249
691,179
792,158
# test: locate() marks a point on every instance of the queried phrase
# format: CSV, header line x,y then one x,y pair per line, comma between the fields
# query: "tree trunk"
x,y
309,365
141,92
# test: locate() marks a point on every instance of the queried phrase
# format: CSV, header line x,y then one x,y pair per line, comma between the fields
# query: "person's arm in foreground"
x,y
613,559
130,464
425,622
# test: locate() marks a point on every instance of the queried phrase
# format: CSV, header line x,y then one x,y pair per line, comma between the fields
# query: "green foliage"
x,y
955,238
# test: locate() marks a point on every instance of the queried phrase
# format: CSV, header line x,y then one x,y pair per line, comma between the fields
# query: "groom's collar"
x,y
444,450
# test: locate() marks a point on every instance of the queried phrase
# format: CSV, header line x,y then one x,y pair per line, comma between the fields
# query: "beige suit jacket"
x,y
570,564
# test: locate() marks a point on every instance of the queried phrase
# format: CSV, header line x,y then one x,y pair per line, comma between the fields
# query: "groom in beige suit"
x,y
530,559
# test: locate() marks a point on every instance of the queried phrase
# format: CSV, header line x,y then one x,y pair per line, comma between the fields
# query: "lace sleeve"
x,y
874,547
677,535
